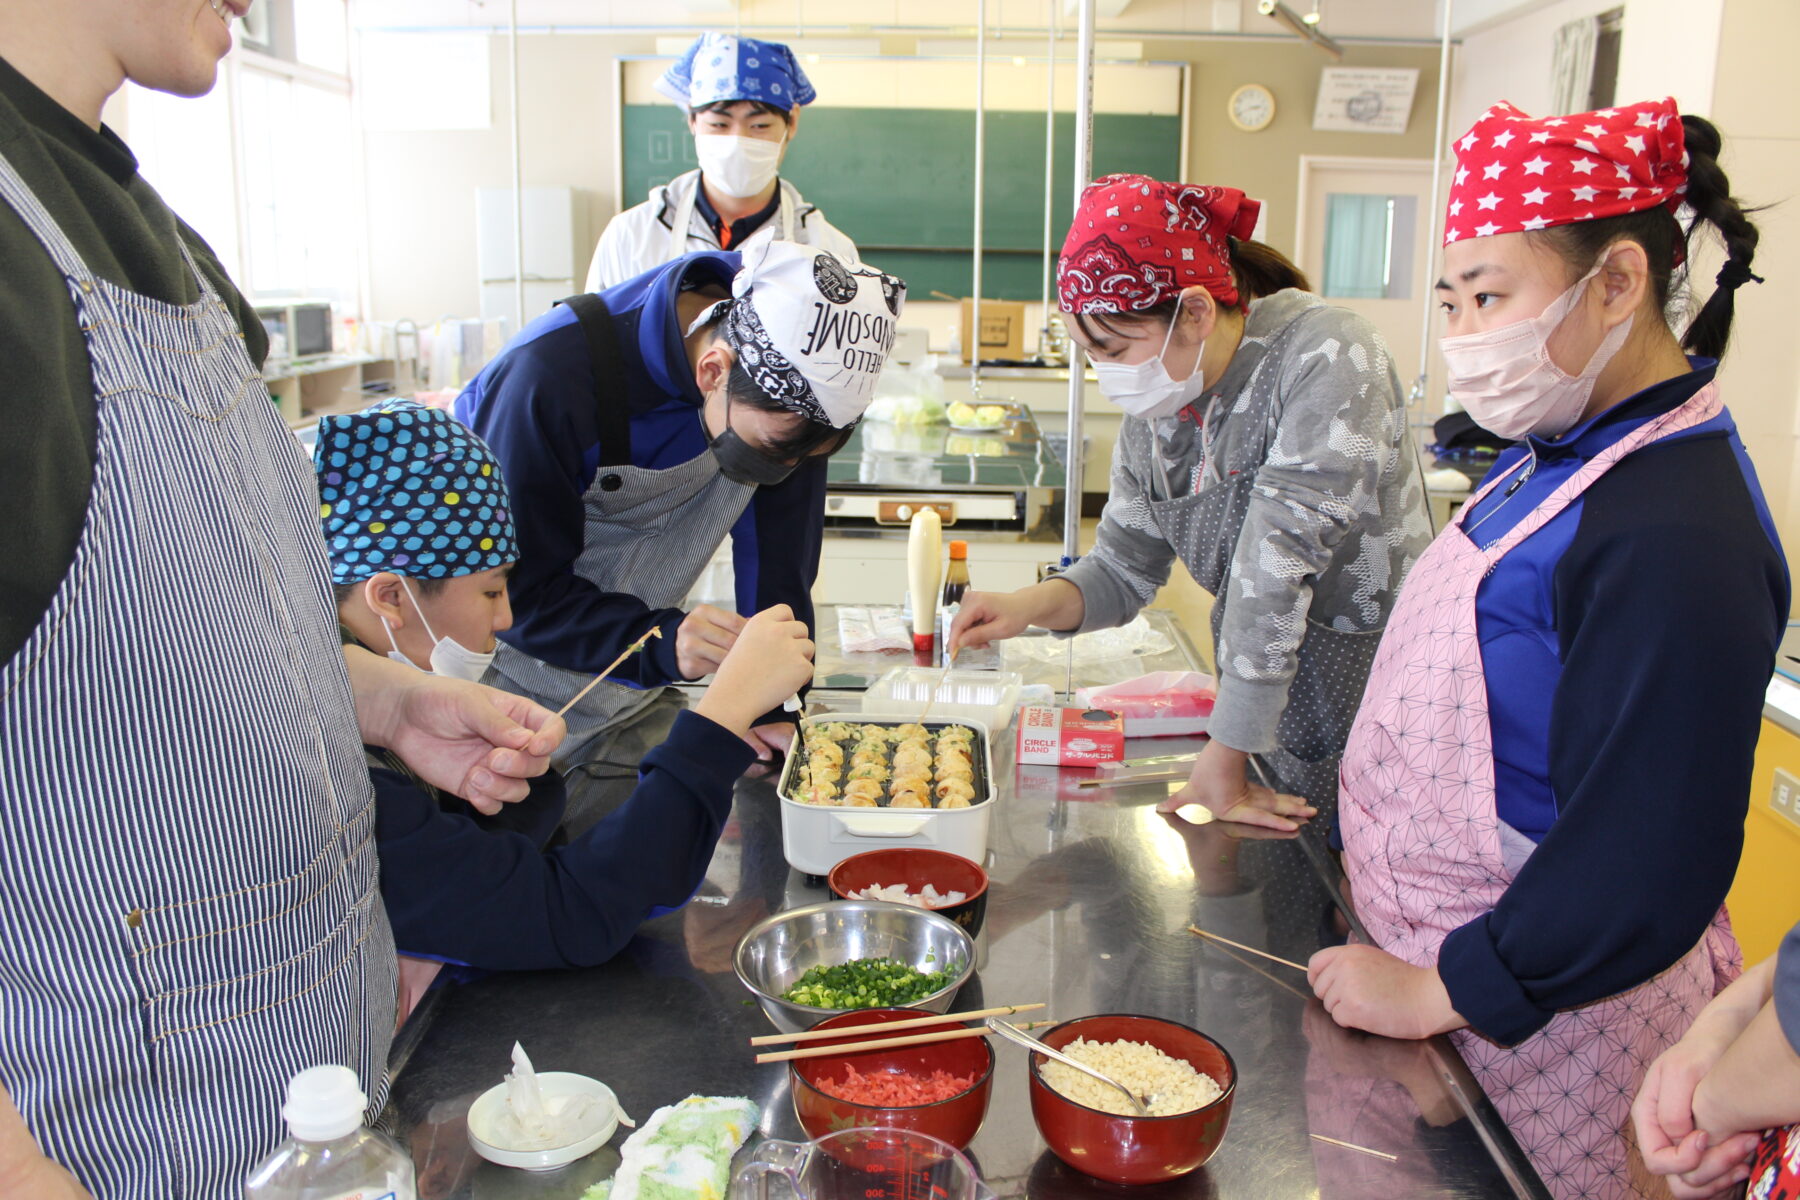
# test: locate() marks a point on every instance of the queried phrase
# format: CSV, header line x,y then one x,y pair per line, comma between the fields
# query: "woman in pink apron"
x,y
1722,1106
1543,795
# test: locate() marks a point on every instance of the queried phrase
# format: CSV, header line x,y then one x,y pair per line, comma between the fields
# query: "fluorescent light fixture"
x,y
1119,51
1297,24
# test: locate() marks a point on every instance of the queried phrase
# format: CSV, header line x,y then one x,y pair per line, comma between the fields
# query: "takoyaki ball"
x,y
907,761
862,787
947,788
909,800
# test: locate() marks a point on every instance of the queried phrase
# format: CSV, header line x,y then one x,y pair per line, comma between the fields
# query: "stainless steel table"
x,y
1091,895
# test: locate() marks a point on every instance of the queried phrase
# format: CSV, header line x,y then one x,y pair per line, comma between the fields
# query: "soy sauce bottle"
x,y
956,579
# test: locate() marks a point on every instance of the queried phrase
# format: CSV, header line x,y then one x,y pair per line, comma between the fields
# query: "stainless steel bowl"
x,y
773,955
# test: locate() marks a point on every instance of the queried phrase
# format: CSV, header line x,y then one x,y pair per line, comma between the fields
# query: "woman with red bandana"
x,y
1544,793
1266,446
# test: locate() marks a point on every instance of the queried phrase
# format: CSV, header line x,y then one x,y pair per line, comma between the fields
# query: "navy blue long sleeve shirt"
x,y
1627,645
534,404
472,891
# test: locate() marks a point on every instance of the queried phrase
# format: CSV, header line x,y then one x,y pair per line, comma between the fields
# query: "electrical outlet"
x,y
1784,797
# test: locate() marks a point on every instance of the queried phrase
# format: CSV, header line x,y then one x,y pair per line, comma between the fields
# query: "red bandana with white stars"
x,y
1516,173
1136,242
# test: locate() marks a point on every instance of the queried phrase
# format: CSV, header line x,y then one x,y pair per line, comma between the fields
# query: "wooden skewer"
x,y
778,1039
1113,781
1331,1141
1246,963
625,654
1193,929
921,1039
939,686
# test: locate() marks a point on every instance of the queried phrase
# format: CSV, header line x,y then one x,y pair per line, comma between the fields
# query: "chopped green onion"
x,y
867,983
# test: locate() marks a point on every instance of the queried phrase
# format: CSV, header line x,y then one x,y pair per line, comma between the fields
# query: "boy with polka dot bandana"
x,y
416,517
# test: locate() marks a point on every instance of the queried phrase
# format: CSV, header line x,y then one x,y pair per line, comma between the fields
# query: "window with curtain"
x,y
1359,248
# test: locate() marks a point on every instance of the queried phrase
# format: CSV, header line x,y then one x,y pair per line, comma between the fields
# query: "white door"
x,y
1364,238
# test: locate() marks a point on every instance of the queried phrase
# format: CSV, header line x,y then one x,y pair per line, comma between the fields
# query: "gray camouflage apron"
x,y
189,902
1333,665
650,534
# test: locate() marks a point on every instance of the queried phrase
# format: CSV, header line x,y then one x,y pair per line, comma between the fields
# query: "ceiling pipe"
x,y
1299,26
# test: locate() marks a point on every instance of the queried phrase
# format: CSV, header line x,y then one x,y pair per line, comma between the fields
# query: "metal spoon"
x,y
1013,1033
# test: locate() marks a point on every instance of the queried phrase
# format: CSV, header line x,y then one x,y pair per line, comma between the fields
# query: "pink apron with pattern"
x,y
1423,852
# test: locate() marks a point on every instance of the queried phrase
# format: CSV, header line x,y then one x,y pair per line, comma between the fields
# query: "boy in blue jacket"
x,y
418,525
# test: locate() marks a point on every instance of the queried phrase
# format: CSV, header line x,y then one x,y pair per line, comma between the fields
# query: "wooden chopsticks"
x,y
921,1039
778,1039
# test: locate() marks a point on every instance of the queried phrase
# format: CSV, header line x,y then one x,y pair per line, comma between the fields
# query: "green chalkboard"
x,y
899,182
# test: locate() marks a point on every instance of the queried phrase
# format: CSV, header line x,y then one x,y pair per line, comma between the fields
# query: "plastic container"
x,y
328,1153
990,697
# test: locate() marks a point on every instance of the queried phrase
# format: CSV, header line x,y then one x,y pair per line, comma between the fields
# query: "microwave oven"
x,y
297,328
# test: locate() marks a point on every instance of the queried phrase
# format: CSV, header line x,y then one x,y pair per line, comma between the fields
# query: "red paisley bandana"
x,y
1137,242
1517,173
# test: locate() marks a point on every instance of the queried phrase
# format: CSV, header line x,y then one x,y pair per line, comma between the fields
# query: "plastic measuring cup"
x,y
860,1164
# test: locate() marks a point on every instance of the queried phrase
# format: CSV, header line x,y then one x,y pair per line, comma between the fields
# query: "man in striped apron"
x,y
189,910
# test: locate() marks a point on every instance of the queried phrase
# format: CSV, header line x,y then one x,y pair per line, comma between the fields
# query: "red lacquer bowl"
x,y
1134,1149
955,1120
914,868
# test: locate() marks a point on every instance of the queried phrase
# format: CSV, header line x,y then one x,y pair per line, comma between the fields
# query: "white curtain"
x,y
1572,66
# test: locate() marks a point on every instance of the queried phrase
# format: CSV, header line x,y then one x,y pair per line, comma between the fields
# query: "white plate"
x,y
980,428
489,1106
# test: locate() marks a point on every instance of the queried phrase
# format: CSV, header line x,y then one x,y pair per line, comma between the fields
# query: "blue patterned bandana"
x,y
408,489
719,66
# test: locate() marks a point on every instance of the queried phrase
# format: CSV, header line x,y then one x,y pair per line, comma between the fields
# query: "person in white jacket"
x,y
743,100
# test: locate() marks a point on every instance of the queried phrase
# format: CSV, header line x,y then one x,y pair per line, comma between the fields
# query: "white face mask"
x,y
449,657
1506,381
1146,389
737,166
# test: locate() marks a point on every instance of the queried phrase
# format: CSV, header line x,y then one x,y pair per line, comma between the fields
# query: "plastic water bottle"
x,y
328,1155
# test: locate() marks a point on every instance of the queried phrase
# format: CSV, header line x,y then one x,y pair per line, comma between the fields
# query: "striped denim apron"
x,y
189,910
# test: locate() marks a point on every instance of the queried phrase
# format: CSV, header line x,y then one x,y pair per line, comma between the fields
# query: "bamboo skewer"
x,y
623,655
778,1039
1244,962
1197,931
939,686
1113,781
1331,1141
922,1039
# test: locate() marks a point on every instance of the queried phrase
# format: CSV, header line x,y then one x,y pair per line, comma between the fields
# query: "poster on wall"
x,y
1365,99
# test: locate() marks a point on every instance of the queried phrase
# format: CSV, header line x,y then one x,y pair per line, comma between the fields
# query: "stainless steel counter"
x,y
1091,895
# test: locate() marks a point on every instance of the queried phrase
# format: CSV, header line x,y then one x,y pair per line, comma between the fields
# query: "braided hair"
x,y
1666,243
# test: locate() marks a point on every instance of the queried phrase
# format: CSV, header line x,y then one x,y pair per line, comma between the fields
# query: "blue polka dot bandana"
x,y
409,489
719,66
